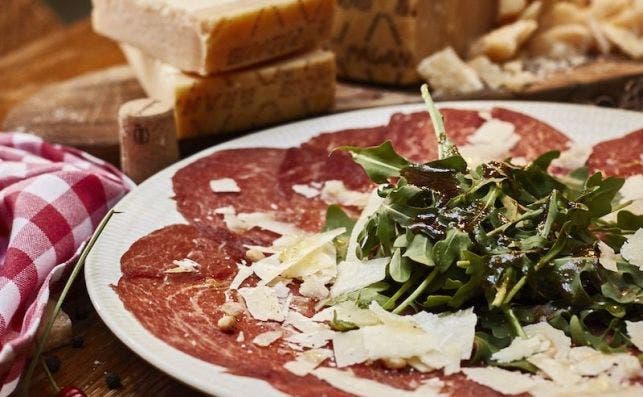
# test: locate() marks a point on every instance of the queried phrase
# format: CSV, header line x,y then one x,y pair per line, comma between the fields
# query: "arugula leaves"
x,y
516,242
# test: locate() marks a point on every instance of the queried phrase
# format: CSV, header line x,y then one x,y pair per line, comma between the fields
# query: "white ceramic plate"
x,y
149,207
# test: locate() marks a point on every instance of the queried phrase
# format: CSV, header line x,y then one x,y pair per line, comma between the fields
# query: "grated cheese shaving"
x,y
262,303
347,381
354,275
607,257
492,141
635,332
335,192
242,274
224,185
267,338
632,249
183,266
307,361
262,220
521,348
306,190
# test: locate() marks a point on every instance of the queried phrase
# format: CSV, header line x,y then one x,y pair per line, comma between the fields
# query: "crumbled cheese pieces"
x,y
335,192
573,158
372,204
224,185
231,308
346,380
267,338
635,332
425,336
262,303
354,275
307,361
306,333
183,266
266,221
632,249
492,141
566,369
311,258
521,348
448,74
241,276
607,257
503,43
305,190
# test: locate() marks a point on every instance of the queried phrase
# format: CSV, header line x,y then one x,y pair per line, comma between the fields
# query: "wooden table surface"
x,y
64,52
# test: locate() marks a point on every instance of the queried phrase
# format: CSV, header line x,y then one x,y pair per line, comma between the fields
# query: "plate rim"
x,y
210,387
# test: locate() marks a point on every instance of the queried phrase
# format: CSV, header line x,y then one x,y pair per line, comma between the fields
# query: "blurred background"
x,y
70,10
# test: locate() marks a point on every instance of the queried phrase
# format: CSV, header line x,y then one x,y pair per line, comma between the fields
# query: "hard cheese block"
x,y
382,41
272,93
211,36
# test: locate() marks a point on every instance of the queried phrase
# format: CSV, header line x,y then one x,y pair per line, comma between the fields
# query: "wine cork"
x,y
147,137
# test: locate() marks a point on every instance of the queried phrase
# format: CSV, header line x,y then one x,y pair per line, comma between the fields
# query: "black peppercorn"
x,y
113,381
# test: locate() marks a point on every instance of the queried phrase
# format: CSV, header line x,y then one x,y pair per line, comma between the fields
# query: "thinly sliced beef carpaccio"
x,y
618,157
183,308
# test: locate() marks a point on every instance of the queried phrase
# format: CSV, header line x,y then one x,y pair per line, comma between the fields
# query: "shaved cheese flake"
x,y
502,380
307,361
573,158
314,287
183,266
267,338
306,256
262,303
306,191
303,323
632,188
560,343
335,192
521,348
346,380
354,275
492,141
635,332
241,337
262,220
607,257
224,185
311,340
225,210
632,249
441,327
349,312
555,369
242,274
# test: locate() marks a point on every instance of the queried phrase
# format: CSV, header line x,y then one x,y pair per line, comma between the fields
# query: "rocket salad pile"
x,y
517,243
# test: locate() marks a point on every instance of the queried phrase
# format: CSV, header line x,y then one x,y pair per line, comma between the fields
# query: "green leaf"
x,y
337,218
629,221
399,268
380,162
446,252
599,194
419,250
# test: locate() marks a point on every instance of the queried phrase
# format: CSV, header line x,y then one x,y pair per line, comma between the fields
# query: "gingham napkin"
x,y
51,199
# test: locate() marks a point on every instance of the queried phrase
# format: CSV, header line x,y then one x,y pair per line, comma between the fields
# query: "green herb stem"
x,y
526,215
50,321
390,303
513,320
418,291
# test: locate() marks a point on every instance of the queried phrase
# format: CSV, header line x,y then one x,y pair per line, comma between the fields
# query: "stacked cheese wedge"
x,y
226,65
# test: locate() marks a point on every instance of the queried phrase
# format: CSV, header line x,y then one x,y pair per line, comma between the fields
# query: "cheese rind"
x,y
206,36
382,41
236,101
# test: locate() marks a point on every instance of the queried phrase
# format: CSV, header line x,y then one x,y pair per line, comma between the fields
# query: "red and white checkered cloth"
x,y
51,199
